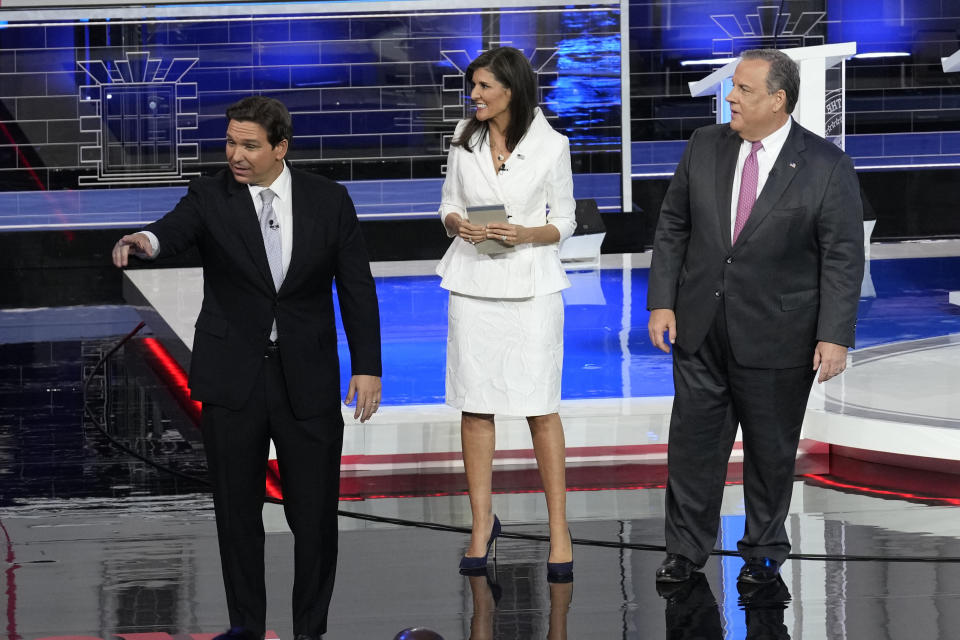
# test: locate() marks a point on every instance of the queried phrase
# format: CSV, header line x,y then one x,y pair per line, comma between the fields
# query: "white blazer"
x,y
537,174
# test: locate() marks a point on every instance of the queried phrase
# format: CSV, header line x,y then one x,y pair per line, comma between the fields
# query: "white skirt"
x,y
505,356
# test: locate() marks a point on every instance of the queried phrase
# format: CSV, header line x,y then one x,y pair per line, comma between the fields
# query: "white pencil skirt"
x,y
505,356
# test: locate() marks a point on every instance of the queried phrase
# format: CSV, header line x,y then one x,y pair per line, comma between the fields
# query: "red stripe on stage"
x,y
175,378
880,492
901,476
173,375
274,490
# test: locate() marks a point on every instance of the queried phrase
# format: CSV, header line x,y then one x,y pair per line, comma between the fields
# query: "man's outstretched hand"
x,y
138,244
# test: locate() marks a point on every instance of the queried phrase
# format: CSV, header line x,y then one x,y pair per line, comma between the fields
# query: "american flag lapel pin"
x,y
793,165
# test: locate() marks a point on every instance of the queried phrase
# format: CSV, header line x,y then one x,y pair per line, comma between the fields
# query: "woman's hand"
x,y
508,234
472,233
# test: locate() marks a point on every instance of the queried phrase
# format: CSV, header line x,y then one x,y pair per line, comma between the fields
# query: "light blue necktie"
x,y
270,228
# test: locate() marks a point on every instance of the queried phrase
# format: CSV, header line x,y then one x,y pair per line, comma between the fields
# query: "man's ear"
x,y
781,97
280,149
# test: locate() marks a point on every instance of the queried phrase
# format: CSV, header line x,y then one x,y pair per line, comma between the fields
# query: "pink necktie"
x,y
748,189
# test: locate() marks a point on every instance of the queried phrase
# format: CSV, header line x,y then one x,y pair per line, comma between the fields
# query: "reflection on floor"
x,y
98,543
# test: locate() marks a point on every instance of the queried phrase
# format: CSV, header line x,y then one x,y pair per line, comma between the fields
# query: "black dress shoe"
x,y
238,633
759,571
676,568
674,592
771,595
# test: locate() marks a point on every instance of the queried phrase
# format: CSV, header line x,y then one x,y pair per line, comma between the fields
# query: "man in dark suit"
x,y
755,280
272,239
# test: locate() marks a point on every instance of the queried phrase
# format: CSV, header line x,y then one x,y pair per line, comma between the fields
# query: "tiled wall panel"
x,y
366,91
894,96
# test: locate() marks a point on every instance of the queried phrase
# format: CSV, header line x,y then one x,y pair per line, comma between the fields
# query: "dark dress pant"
x,y
308,454
713,394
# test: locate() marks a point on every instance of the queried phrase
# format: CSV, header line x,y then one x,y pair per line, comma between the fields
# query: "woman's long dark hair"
x,y
511,69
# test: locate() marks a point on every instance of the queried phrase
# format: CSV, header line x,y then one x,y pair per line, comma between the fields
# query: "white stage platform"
x,y
897,403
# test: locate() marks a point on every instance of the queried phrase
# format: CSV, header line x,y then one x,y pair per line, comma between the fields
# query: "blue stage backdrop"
x,y
902,110
131,99
117,103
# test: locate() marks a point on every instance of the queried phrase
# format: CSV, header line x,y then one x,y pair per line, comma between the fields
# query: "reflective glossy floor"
x,y
110,533
141,560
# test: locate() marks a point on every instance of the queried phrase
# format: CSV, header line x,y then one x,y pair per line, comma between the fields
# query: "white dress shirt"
x,y
537,175
772,145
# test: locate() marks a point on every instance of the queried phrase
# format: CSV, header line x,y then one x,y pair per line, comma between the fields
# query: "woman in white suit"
x,y
505,341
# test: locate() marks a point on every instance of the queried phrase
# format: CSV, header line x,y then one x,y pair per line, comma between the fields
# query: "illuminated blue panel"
x,y
373,97
271,31
721,28
685,29
287,54
57,37
521,30
377,27
587,89
874,26
190,33
318,30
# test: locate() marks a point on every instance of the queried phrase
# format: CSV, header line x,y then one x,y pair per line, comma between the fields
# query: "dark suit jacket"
x,y
240,302
793,277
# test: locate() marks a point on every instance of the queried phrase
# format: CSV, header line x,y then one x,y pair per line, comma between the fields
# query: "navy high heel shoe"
x,y
469,564
495,589
560,572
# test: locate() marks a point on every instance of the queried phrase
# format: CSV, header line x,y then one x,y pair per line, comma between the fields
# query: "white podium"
x,y
951,63
581,251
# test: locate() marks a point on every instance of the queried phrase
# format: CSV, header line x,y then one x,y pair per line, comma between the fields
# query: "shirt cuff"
x,y
154,246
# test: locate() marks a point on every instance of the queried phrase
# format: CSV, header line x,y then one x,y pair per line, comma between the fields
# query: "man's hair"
x,y
269,113
511,69
784,73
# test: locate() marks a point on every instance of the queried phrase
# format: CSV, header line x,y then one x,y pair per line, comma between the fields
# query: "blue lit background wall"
x,y
372,105
374,99
900,111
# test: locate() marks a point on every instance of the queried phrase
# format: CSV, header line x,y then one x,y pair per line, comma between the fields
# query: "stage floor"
x,y
99,544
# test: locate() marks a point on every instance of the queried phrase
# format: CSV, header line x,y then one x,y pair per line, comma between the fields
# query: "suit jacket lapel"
x,y
304,222
481,155
789,163
242,216
727,152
